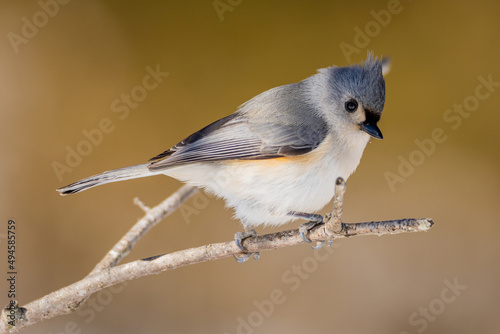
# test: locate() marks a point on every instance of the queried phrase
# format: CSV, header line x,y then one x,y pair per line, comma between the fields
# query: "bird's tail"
x,y
115,175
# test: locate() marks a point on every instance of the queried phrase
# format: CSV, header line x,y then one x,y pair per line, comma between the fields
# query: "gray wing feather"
x,y
274,124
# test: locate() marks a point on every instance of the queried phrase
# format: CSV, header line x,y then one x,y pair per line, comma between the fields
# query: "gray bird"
x,y
278,156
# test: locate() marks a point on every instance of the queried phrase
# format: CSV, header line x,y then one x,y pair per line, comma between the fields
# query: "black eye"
x,y
351,106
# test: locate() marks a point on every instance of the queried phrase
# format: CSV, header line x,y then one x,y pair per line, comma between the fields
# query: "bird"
x,y
278,156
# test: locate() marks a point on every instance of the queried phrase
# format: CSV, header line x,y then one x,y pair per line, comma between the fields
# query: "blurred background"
x,y
74,71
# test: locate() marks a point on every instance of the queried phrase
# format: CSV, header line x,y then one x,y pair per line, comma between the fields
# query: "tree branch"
x,y
152,217
106,274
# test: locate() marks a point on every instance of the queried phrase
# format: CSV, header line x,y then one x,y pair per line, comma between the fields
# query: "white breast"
x,y
264,191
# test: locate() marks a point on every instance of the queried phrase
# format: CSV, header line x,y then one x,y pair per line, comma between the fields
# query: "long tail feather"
x,y
115,175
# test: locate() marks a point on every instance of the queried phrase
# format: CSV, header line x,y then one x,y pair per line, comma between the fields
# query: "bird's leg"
x,y
314,220
239,237
333,220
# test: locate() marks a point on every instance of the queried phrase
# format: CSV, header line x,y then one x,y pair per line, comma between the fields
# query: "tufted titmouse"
x,y
278,156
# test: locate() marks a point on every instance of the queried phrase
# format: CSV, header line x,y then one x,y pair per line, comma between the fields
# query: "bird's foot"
x,y
238,238
314,220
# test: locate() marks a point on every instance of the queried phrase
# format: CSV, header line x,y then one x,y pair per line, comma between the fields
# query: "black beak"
x,y
372,129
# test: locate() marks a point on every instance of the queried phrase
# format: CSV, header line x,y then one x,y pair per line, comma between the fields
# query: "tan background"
x,y
64,79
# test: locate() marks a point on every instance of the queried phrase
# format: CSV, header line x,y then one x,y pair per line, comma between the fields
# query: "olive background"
x,y
66,77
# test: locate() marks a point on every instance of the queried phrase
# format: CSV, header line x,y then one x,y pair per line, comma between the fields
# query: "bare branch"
x,y
67,300
106,273
152,217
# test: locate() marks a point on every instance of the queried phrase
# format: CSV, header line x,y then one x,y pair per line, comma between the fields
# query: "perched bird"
x,y
278,156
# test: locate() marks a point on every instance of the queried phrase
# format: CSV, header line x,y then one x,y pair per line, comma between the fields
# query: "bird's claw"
x,y
304,230
238,239
306,227
319,244
240,236
245,257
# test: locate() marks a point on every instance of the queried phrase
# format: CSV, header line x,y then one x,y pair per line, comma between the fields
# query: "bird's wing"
x,y
271,125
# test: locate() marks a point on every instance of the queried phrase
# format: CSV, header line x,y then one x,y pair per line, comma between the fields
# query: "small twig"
x,y
334,224
152,217
141,205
